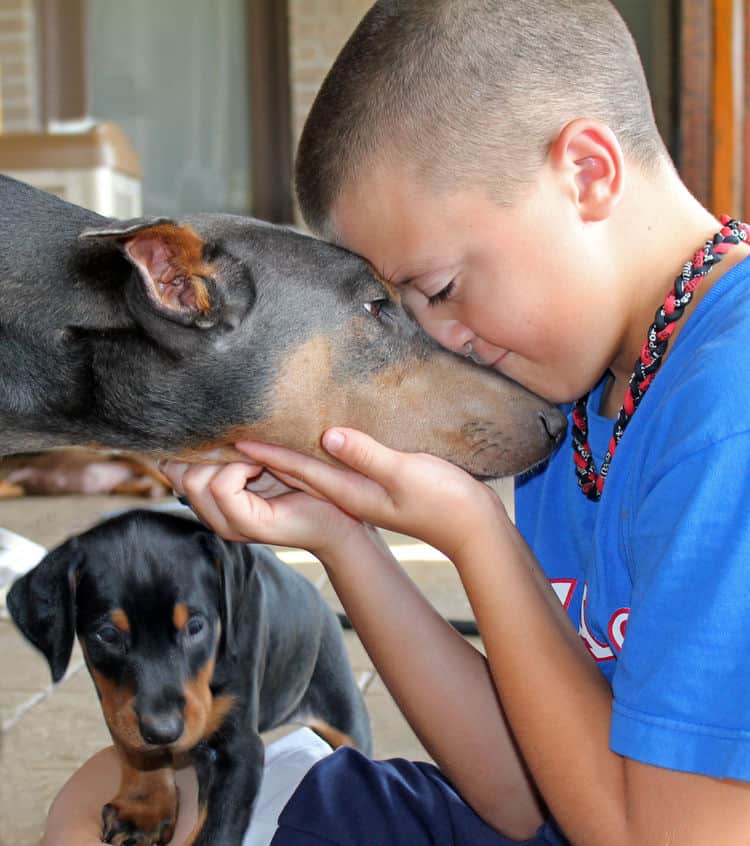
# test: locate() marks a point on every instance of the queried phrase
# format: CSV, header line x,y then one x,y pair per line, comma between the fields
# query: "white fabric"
x,y
17,556
287,761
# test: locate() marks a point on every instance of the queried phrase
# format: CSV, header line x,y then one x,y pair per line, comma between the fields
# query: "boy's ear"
x,y
42,605
588,154
179,285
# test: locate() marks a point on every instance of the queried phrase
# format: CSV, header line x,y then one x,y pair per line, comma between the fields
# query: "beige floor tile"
x,y
23,672
49,520
41,751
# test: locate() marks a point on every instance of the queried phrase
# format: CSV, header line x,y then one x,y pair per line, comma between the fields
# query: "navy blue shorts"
x,y
347,799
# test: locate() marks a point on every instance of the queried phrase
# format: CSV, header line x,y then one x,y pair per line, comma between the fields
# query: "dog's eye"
x,y
377,308
195,626
109,635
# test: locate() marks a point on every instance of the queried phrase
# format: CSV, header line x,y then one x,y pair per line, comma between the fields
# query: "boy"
x,y
499,163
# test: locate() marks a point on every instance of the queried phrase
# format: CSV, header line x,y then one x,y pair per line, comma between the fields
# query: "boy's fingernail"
x,y
333,441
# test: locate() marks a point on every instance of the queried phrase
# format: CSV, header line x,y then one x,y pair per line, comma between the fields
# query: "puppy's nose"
x,y
161,729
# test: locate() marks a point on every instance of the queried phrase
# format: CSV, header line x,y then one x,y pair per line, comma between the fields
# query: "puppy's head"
x,y
150,598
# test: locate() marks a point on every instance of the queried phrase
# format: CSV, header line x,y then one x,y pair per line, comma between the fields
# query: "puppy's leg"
x,y
333,705
144,811
229,776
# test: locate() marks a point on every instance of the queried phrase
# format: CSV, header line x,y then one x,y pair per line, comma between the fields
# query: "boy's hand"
x,y
416,494
241,502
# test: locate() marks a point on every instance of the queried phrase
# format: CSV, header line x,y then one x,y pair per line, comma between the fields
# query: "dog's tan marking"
x,y
147,799
331,735
492,428
310,396
120,620
220,707
392,292
203,714
118,707
180,616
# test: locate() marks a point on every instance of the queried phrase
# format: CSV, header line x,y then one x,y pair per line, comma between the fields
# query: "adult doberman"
x,y
174,338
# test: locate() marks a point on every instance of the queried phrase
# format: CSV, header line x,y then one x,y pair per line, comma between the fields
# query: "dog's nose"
x,y
161,729
555,422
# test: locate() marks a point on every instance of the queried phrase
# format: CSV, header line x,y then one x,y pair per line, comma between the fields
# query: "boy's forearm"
x,y
439,681
556,700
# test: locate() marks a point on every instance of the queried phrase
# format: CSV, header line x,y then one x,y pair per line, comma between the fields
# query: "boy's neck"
x,y
662,243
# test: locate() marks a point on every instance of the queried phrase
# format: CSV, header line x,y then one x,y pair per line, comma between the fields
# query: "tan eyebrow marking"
x,y
390,288
180,616
120,620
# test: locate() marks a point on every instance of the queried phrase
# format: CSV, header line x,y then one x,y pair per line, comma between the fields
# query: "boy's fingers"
x,y
362,453
195,485
348,490
174,471
203,483
239,507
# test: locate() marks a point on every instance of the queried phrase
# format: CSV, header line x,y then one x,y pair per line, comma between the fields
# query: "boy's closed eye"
x,y
442,295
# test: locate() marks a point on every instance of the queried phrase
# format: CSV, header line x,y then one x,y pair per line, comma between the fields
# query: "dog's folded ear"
x,y
42,605
177,281
234,571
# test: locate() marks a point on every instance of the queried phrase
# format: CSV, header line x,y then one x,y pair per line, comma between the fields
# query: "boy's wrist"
x,y
487,522
358,542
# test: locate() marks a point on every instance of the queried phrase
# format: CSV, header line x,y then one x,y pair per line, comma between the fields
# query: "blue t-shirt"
x,y
656,575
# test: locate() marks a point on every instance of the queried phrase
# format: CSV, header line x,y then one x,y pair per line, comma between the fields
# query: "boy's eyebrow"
x,y
390,278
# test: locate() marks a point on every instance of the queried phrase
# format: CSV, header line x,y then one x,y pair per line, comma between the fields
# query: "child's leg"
x,y
350,800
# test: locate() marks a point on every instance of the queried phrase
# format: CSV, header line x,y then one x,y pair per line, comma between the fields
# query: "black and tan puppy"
x,y
173,337
195,646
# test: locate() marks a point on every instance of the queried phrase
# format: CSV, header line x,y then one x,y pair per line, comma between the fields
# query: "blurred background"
x,y
211,95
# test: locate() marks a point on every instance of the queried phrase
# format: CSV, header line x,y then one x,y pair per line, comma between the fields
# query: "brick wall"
x,y
317,31
17,65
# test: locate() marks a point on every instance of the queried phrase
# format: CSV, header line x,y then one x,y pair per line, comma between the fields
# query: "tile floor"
x,y
46,732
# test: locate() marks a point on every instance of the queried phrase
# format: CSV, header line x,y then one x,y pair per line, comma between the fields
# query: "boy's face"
x,y
516,285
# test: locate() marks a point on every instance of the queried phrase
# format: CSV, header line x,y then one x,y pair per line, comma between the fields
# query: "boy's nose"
x,y
452,335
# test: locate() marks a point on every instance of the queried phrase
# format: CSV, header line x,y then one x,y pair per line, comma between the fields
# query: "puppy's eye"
x,y
195,627
377,308
109,635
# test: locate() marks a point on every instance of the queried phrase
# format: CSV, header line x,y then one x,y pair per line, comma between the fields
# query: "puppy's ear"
x,y
178,283
42,605
234,572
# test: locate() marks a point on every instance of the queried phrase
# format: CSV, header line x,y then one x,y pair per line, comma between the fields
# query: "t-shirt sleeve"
x,y
682,686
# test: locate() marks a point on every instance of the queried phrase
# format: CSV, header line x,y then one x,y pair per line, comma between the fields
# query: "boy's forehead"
x,y
391,222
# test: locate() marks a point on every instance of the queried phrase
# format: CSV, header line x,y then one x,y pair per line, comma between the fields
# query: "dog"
x,y
174,338
195,646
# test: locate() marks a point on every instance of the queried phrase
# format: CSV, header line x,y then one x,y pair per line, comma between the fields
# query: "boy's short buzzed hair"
x,y
471,92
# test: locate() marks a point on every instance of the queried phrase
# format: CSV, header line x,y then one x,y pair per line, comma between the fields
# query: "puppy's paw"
x,y
139,821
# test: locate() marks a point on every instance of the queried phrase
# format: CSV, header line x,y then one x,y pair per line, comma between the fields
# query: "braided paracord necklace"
x,y
590,482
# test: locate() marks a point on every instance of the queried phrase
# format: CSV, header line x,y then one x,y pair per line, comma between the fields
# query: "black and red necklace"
x,y
590,481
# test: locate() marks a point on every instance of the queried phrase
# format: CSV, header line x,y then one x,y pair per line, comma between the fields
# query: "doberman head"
x,y
178,337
